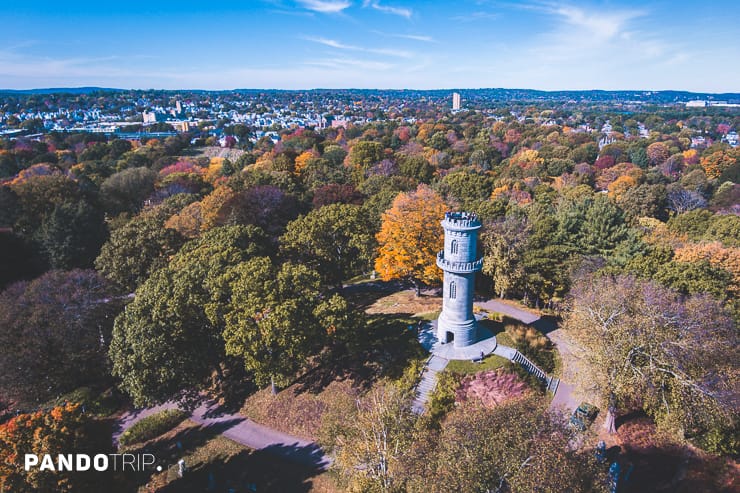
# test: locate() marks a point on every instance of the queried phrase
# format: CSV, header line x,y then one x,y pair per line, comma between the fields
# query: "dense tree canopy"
x,y
649,348
58,327
335,240
167,342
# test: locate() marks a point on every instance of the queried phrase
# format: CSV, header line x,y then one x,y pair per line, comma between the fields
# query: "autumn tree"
x,y
61,430
517,446
372,442
59,328
335,240
647,347
658,153
410,238
334,193
718,162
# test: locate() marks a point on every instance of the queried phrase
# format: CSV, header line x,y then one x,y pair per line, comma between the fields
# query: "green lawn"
x,y
429,316
466,366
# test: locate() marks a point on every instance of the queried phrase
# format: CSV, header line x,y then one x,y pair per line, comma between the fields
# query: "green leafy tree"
x,y
126,190
416,167
363,155
71,235
168,342
334,240
138,248
504,242
695,278
275,320
603,227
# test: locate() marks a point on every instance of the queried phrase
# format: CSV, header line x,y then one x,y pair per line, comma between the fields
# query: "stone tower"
x,y
459,262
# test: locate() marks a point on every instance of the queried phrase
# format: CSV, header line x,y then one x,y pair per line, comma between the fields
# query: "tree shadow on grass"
x,y
658,463
365,294
173,446
383,350
261,471
546,324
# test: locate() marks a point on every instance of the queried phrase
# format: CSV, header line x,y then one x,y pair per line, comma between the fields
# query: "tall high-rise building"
x,y
455,101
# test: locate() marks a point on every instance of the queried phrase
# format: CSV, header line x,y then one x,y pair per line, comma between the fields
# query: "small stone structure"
x,y
458,260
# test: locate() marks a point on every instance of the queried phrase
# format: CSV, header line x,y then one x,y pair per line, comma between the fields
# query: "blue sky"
x,y
298,44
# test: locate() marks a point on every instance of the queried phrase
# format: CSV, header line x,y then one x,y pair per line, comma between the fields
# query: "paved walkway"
x,y
495,305
243,431
567,397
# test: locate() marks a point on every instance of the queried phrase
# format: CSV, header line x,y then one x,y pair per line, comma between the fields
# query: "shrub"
x,y
90,401
442,399
532,344
152,426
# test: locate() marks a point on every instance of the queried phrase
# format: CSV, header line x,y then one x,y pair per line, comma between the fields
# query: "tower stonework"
x,y
459,262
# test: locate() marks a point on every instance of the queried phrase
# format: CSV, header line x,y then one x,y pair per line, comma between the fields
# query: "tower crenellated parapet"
x,y
461,221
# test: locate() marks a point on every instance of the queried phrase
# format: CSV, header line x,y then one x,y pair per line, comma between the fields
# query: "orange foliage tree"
x,y
187,222
727,258
717,162
62,430
410,237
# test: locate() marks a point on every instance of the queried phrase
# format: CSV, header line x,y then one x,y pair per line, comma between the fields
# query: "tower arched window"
x,y
453,290
453,247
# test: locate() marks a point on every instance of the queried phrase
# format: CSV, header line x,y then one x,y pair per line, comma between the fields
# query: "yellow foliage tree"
x,y
621,185
188,222
527,158
716,254
410,237
214,169
719,161
303,159
212,207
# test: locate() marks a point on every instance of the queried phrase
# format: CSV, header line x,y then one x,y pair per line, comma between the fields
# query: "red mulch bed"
x,y
491,388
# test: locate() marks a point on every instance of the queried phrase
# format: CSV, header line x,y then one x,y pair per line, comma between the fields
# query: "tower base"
x,y
459,333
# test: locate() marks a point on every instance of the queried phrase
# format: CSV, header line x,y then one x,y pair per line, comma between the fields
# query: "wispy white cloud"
x,y
356,63
476,16
325,6
601,23
400,11
414,37
342,46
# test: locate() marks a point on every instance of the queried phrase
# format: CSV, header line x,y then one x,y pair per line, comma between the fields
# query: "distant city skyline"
x,y
383,44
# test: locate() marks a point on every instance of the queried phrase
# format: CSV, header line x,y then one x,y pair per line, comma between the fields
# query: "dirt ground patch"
x,y
406,302
299,412
224,152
